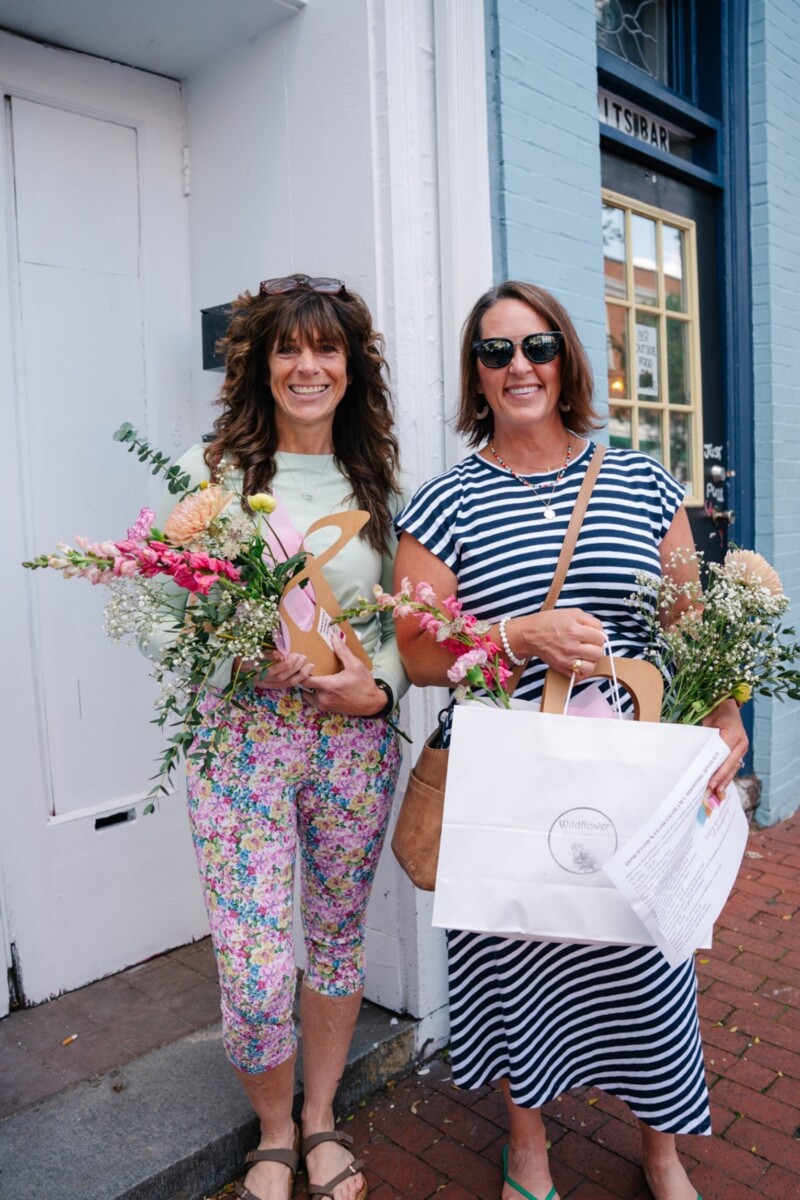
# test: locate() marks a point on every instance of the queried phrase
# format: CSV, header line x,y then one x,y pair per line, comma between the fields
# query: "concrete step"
x,y
174,1124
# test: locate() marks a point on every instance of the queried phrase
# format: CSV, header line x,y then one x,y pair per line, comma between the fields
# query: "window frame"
x,y
690,317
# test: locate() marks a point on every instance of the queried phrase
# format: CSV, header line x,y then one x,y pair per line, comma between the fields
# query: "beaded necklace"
x,y
549,512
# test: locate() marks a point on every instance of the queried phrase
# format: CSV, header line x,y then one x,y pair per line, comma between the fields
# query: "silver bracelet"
x,y
509,653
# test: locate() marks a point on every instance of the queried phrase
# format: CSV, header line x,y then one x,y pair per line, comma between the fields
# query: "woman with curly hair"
x,y
308,759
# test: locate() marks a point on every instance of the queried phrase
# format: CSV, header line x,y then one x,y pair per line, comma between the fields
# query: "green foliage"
x,y
177,481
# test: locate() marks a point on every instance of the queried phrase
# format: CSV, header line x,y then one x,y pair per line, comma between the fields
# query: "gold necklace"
x,y
549,512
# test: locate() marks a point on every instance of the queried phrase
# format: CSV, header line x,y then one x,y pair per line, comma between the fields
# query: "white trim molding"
x,y
465,223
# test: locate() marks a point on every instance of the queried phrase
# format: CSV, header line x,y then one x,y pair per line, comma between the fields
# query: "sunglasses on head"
x,y
291,283
537,348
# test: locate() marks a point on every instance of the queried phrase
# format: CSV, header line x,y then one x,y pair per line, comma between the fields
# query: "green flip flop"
x,y
518,1186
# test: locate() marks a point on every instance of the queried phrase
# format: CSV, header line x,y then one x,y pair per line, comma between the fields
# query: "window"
x,y
652,332
636,31
654,36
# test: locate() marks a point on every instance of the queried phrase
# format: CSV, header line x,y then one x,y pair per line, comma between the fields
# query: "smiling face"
x,y
523,396
308,378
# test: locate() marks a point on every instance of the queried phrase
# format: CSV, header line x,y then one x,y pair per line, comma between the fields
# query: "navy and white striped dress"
x,y
551,1016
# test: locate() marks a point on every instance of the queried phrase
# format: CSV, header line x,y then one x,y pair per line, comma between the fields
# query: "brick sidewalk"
x,y
426,1138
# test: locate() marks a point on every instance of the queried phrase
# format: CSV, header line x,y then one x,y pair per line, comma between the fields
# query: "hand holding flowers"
x,y
208,585
728,641
479,664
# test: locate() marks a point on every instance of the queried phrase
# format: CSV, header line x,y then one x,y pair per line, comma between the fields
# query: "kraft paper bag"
x,y
536,802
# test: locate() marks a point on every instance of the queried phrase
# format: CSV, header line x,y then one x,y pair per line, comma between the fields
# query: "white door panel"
x,y
82,345
68,215
94,330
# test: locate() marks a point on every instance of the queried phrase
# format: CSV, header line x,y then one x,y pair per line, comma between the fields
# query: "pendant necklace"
x,y
316,479
549,513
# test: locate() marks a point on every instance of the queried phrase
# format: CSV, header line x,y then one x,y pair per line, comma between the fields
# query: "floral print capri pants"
x,y
281,772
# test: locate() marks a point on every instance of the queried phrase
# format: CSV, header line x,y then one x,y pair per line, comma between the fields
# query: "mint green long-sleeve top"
x,y
310,486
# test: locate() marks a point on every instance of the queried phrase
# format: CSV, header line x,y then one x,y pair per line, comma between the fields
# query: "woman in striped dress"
x,y
543,1017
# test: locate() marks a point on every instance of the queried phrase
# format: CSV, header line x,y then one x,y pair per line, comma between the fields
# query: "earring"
x,y
480,413
564,405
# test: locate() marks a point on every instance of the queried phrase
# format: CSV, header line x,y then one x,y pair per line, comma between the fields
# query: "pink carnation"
x,y
463,664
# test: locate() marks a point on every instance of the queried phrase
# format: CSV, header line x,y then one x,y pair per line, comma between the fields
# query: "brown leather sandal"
x,y
326,1189
289,1158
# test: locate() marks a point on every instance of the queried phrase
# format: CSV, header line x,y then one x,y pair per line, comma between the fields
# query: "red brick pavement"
x,y
423,1137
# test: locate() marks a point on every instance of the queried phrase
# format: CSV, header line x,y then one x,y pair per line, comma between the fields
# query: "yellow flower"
x,y
742,693
752,567
288,705
193,515
262,502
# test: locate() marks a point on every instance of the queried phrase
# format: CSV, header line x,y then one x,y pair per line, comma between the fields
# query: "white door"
x,y
94,330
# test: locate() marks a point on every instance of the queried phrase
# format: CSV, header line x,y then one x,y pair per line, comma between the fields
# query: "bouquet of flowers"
x,y
478,664
208,580
726,641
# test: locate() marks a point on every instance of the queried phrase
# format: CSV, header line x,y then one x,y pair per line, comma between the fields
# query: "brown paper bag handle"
x,y
641,679
310,641
567,546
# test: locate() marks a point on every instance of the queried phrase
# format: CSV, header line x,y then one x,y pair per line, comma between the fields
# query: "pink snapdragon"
x,y
425,594
478,660
140,529
430,623
97,549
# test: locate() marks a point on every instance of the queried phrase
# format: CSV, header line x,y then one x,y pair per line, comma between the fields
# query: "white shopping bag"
x,y
537,804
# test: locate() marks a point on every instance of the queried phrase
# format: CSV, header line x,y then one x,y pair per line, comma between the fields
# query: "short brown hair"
x,y
577,384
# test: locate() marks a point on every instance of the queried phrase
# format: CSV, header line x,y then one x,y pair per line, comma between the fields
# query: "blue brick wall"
x,y
775,196
545,155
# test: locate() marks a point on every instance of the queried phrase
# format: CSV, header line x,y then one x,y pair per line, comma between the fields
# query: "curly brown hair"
x,y
365,447
577,384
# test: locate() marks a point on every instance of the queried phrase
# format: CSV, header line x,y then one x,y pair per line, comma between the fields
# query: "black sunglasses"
x,y
291,283
537,348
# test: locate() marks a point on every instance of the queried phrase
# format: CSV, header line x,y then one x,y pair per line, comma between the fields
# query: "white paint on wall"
x,y
317,148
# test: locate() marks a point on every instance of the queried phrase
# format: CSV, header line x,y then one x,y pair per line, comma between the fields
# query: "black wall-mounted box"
x,y
214,324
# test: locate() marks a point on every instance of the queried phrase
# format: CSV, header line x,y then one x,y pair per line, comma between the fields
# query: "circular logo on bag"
x,y
582,839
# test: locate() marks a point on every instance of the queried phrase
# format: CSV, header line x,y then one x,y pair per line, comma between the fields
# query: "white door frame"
x,y
59,948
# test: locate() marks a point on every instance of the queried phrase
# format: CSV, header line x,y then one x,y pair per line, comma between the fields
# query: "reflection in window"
x,y
617,348
672,251
678,362
680,448
614,251
636,31
645,262
650,440
619,427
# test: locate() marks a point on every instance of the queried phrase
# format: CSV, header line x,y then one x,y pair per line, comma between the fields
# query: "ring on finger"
x,y
576,665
